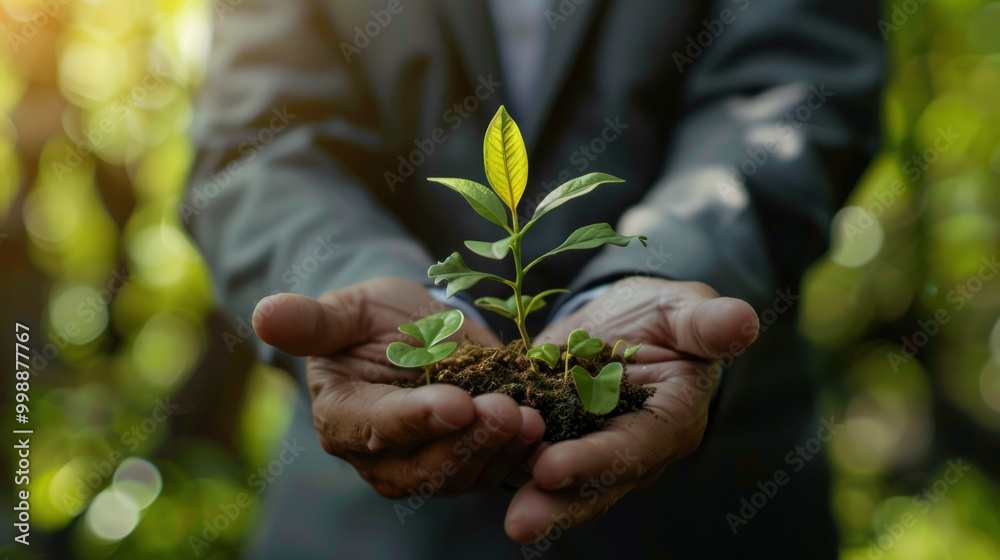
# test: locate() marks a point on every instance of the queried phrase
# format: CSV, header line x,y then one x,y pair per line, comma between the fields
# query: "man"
x,y
739,127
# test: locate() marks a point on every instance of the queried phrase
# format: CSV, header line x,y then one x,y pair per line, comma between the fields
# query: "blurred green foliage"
x,y
95,102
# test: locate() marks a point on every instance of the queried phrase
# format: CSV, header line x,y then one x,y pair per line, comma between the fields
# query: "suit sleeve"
x,y
780,119
276,200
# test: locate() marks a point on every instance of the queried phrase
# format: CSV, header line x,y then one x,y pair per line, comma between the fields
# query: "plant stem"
x,y
566,375
427,372
615,349
518,282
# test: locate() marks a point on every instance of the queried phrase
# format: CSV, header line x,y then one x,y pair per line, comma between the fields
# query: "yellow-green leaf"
x,y
505,159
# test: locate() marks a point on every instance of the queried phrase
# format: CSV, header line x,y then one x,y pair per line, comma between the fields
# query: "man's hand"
x,y
397,439
684,328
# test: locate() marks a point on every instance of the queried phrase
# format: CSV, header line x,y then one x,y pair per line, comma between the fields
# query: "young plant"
x,y
599,395
429,331
506,162
581,345
629,350
548,353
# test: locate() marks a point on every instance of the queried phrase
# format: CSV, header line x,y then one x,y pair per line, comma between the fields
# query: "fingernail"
x,y
440,424
526,442
262,309
566,482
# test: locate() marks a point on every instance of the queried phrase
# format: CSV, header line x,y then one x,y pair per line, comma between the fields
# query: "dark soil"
x,y
508,371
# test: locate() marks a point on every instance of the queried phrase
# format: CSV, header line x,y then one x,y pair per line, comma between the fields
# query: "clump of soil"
x,y
507,371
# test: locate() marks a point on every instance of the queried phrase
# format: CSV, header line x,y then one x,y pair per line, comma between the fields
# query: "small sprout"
x,y
599,395
429,331
508,308
548,353
629,350
581,345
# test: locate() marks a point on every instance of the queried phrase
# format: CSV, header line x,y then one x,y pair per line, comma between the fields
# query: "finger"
x,y
514,453
355,417
521,474
712,328
534,514
609,453
303,326
463,456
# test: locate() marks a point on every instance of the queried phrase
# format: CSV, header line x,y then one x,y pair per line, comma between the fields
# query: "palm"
x,y
397,438
684,328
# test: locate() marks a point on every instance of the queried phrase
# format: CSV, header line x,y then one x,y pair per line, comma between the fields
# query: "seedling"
x,y
629,350
548,353
599,394
429,331
581,345
506,163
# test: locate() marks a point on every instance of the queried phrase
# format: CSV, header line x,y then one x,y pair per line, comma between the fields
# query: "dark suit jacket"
x,y
739,126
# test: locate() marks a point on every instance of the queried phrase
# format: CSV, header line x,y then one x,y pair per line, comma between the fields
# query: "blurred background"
x,y
156,417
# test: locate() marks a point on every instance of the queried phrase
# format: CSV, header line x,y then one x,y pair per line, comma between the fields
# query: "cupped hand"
x,y
398,439
685,329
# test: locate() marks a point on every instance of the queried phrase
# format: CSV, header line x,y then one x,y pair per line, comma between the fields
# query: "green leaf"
x,y
434,328
538,302
599,395
548,353
404,355
582,346
570,190
458,275
505,159
589,237
501,307
496,250
508,308
479,197
631,350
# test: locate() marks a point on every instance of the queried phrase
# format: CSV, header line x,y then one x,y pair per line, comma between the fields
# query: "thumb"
x,y
713,328
304,326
